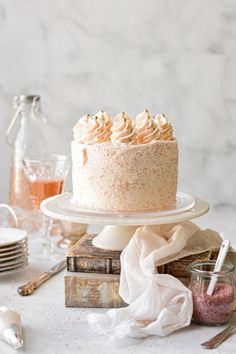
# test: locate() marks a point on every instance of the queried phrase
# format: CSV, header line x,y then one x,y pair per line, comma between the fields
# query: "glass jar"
x,y
215,309
26,135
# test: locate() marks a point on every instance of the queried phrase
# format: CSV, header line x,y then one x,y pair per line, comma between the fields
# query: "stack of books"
x,y
93,274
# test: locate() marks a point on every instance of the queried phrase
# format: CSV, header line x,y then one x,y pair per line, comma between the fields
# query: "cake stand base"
x,y
114,238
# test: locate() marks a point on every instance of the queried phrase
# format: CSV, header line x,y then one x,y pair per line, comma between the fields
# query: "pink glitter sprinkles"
x,y
213,309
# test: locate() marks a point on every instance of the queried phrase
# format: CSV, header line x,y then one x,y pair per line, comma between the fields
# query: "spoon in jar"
x,y
218,266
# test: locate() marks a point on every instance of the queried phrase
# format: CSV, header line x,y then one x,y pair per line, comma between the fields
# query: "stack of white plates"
x,y
13,250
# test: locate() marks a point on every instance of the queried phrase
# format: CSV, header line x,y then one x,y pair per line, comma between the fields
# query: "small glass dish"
x,y
215,309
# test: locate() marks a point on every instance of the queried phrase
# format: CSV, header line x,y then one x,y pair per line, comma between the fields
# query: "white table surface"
x,y
50,327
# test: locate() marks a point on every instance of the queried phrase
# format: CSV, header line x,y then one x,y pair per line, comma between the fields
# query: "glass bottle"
x,y
215,309
26,134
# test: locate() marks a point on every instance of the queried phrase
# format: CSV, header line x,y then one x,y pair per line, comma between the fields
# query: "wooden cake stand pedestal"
x,y
93,263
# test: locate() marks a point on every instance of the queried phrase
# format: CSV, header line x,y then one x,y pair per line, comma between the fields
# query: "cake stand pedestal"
x,y
120,226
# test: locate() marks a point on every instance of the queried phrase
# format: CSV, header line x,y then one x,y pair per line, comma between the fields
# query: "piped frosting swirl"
x,y
146,128
123,129
165,127
99,129
90,130
105,117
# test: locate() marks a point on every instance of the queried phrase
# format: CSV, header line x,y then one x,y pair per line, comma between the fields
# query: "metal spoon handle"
x,y
215,341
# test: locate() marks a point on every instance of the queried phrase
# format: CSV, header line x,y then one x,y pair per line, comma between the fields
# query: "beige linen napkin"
x,y
158,303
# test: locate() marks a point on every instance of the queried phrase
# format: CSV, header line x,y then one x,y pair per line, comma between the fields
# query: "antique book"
x,y
84,257
95,290
92,290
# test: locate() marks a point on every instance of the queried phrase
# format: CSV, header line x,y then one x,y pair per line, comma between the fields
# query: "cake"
x,y
126,165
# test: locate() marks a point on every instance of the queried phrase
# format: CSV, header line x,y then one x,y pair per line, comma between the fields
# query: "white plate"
x,y
187,208
14,263
14,256
13,270
14,252
16,246
10,236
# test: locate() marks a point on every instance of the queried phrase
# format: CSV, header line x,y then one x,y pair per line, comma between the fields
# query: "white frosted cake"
x,y
124,166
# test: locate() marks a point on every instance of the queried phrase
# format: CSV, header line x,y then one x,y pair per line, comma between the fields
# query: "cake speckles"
x,y
120,173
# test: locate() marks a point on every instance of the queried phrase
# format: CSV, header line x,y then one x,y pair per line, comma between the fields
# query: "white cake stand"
x,y
120,226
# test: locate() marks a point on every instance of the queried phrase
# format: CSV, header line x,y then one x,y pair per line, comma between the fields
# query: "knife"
x,y
33,284
215,341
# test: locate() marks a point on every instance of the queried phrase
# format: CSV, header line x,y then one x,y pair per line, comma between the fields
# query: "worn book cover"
x,y
83,257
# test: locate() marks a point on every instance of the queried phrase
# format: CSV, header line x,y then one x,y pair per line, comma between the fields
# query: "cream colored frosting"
x,y
123,129
105,117
124,166
165,127
125,176
99,129
91,130
146,128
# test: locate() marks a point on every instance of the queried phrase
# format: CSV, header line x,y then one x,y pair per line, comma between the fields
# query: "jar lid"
x,y
25,100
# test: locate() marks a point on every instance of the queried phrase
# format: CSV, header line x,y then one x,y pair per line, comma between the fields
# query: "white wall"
x,y
178,57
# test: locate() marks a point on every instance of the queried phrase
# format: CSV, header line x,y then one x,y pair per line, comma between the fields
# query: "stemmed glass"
x,y
46,175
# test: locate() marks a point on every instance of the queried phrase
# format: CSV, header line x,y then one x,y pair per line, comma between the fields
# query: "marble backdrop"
x,y
177,57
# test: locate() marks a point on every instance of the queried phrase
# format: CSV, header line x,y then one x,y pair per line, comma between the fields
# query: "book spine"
x,y
93,265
